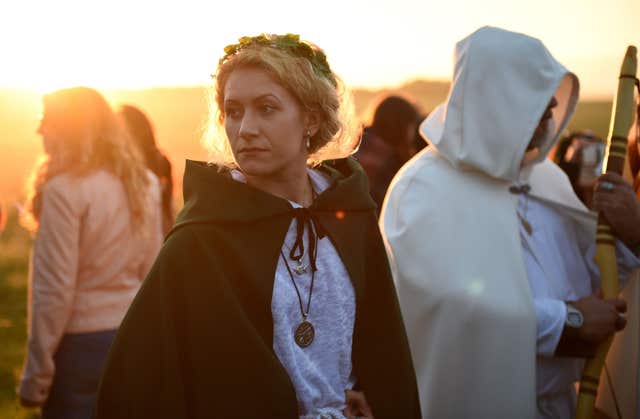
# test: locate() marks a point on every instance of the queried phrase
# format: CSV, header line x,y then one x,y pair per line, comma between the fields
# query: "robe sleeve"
x,y
550,318
628,263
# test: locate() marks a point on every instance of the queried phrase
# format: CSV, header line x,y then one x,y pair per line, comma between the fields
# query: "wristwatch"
x,y
574,317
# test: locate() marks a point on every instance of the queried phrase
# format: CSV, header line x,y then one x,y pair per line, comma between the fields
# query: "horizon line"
x,y
595,97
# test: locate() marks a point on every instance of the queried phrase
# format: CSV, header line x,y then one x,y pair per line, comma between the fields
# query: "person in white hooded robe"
x,y
488,247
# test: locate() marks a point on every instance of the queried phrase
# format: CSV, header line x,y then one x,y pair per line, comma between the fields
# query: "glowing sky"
x,y
135,43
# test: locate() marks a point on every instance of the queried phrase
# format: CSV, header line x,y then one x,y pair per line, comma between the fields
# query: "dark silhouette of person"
x,y
141,131
387,142
633,153
418,142
2,218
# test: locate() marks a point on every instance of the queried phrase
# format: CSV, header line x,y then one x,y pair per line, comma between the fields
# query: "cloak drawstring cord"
x,y
520,189
523,189
304,217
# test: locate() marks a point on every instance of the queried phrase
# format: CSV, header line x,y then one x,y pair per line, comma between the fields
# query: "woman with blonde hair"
x,y
272,296
96,214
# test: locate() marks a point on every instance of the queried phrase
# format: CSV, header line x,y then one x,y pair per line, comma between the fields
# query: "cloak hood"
x,y
211,195
502,84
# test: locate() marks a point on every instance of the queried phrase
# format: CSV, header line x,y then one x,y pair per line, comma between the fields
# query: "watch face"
x,y
574,317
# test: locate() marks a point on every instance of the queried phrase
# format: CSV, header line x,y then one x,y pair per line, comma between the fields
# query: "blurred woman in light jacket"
x,y
96,213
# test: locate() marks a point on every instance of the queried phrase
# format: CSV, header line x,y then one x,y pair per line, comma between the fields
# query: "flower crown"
x,y
291,44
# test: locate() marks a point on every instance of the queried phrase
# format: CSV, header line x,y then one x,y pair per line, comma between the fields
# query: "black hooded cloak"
x,y
197,341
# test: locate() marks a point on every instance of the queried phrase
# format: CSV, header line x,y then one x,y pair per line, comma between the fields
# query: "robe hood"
x,y
502,84
211,195
452,227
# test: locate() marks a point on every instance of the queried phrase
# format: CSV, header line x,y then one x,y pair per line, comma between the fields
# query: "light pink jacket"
x,y
86,266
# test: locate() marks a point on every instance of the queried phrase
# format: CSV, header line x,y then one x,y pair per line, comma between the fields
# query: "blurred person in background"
x,y
419,142
387,142
3,217
633,153
95,210
580,155
141,131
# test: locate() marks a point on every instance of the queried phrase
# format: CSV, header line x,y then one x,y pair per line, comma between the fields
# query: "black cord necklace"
x,y
300,267
305,332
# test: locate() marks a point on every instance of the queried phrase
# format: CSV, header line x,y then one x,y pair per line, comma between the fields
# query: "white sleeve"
x,y
551,312
550,318
628,263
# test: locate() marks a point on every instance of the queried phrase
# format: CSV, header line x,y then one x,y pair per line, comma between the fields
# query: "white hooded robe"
x,y
452,231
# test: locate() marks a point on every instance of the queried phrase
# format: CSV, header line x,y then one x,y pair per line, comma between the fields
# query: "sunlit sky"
x,y
370,43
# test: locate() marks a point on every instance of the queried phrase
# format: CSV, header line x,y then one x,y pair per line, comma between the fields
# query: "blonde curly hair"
x,y
337,135
89,137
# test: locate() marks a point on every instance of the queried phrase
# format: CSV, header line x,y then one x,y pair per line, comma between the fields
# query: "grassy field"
x,y
14,250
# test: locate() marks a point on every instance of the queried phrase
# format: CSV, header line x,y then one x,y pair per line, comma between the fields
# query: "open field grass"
x,y
14,252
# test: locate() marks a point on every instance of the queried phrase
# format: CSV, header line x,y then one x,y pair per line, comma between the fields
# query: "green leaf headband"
x,y
291,44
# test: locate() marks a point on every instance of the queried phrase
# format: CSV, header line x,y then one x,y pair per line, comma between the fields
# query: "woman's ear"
x,y
312,122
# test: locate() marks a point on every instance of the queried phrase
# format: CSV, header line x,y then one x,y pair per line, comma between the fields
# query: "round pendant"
x,y
304,334
300,268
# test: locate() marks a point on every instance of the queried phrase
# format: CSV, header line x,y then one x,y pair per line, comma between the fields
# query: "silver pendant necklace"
x,y
300,268
304,334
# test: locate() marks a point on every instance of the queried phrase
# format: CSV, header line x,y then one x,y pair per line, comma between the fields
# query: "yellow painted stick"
x,y
605,257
